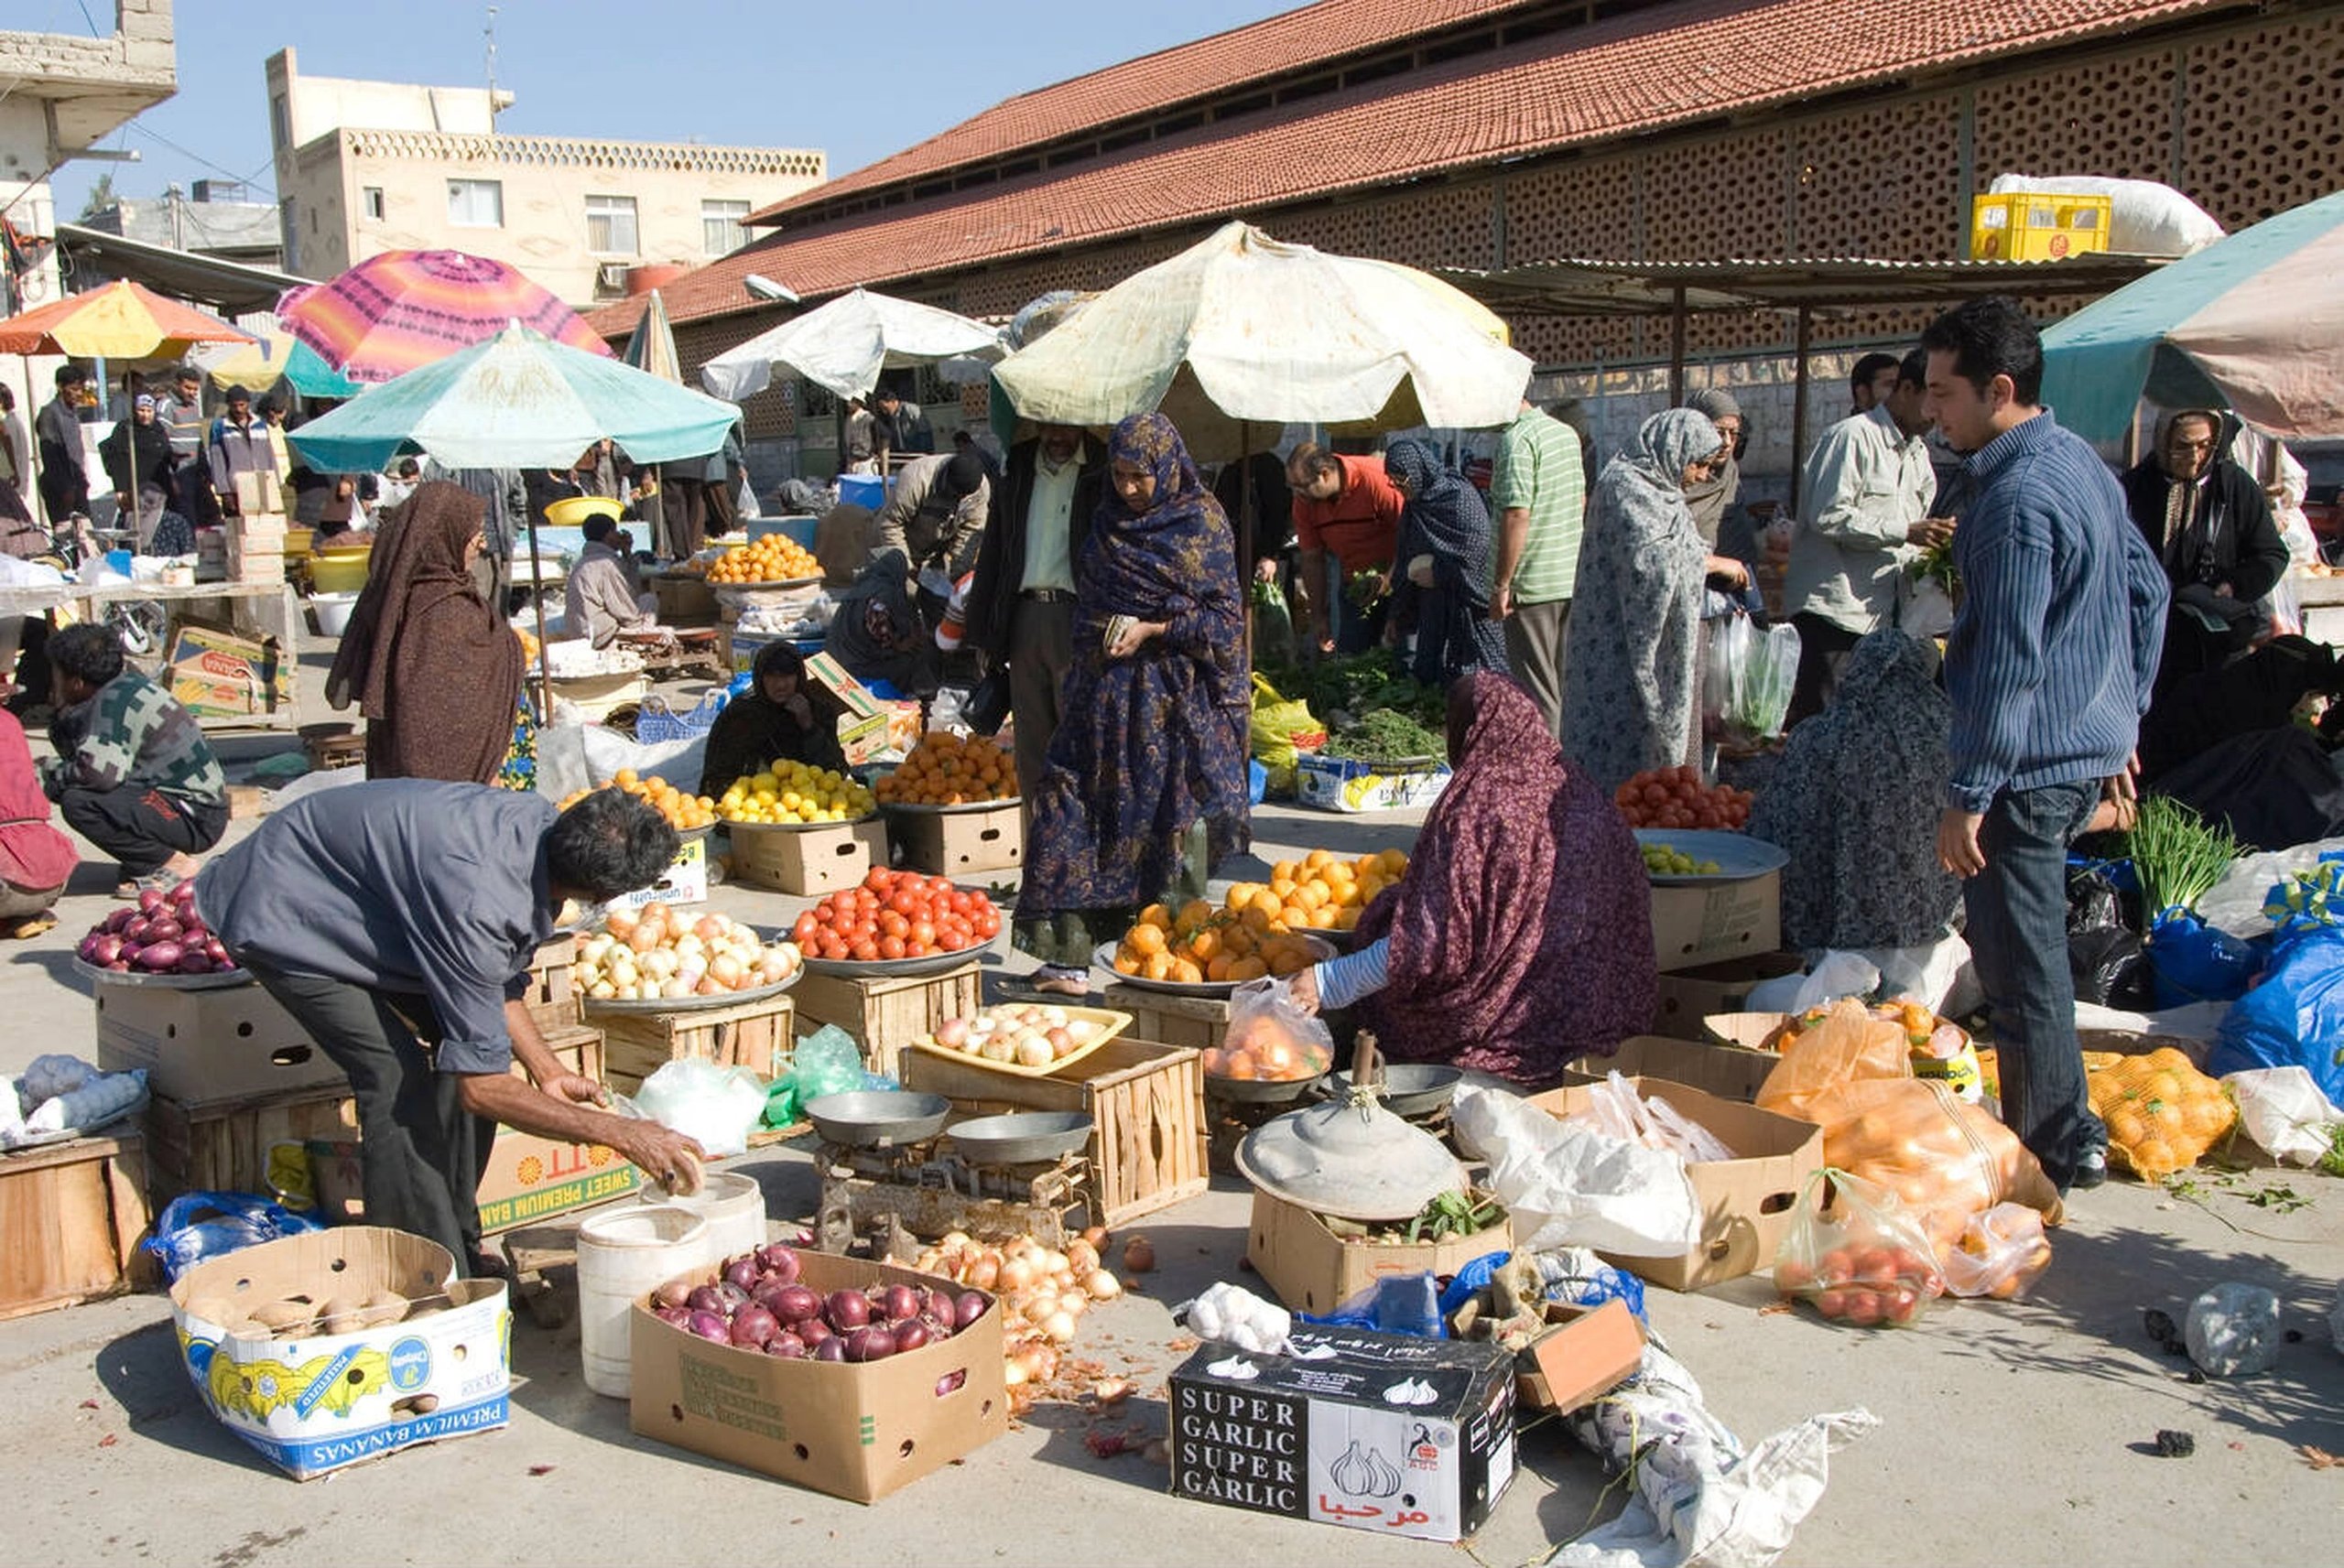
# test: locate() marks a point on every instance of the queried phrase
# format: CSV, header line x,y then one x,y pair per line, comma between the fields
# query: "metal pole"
x,y
538,608
1245,532
1676,351
1799,404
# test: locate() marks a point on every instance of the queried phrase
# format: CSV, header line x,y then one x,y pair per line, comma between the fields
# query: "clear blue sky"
x,y
858,79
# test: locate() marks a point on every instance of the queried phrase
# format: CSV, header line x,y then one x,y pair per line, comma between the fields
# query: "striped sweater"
x,y
2056,644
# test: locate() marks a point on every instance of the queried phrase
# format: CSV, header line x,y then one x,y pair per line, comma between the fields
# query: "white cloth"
x,y
1865,485
1049,525
597,600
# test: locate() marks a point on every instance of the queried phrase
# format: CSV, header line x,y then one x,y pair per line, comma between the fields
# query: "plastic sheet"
x,y
1567,1185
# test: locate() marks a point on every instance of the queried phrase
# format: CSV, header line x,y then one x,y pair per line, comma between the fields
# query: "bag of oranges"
x,y
2162,1113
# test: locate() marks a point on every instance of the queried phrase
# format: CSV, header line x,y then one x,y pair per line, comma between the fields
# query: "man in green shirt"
x,y
133,772
1539,491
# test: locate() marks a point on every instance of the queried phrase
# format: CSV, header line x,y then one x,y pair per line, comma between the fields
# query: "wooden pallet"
x,y
1199,1022
71,1215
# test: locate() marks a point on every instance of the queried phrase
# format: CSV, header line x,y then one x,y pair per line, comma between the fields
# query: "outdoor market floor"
x,y
2009,1434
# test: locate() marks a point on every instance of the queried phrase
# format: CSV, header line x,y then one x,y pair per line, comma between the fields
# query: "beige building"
x,y
368,166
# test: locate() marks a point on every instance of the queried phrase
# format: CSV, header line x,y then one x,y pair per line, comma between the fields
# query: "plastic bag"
x,y
2294,1018
1268,1033
1617,1110
1409,1304
2001,1252
1924,609
2161,1112
2283,1111
2193,961
1835,976
2309,899
2236,903
827,1062
1762,696
1946,1159
715,1107
1280,728
1567,1185
1859,1259
198,1226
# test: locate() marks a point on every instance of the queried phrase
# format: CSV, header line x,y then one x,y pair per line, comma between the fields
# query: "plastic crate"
x,y
2038,225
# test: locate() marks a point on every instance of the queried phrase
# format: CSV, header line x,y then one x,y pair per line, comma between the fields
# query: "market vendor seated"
x,y
879,634
600,601
780,718
388,914
133,772
1520,936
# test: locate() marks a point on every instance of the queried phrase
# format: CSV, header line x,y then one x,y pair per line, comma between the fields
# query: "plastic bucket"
x,y
621,1256
332,611
340,571
734,1207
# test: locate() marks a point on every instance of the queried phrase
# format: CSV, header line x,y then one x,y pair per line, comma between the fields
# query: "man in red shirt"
x,y
1346,505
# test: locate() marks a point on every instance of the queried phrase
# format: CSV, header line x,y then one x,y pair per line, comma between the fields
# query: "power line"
x,y
194,156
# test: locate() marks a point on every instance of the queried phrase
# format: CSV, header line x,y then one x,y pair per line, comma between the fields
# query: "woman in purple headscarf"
x,y
1145,787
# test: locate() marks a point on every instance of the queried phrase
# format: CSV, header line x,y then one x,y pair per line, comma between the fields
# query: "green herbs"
x,y
2177,855
1386,735
1451,1214
1935,565
1365,588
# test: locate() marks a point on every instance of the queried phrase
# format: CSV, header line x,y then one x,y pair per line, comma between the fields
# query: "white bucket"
x,y
735,1207
621,1256
333,611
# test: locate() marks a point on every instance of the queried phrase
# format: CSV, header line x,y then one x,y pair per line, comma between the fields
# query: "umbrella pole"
x,y
1245,532
537,606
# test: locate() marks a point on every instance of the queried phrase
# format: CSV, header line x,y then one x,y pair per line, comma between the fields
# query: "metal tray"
x,y
1410,1089
887,806
217,980
882,969
1739,856
687,1003
1022,1136
754,587
1110,1024
1104,958
877,1118
1262,1091
736,827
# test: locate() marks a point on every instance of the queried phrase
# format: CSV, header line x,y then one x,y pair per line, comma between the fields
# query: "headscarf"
x,y
1854,801
2187,517
34,855
875,632
1447,519
754,730
429,662
1448,512
1521,935
1707,499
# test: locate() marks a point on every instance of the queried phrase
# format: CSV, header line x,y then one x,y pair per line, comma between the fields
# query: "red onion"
x,y
831,1349
847,1309
753,1325
676,1315
910,1336
778,1260
709,1325
795,1303
902,1302
109,948
949,1383
941,1305
708,1298
150,899
193,962
813,1331
786,1346
217,951
119,966
673,1293
969,1307
870,1345
163,928
88,951
115,923
734,1294
159,955
741,1274
136,930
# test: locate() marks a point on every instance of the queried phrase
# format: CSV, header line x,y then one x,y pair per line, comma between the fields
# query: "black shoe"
x,y
2091,1170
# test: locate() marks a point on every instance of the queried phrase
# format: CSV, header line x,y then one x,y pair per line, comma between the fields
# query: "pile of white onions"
x,y
664,955
1043,1293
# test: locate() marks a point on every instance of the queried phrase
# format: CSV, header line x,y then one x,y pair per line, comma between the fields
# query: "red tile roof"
x,y
1638,72
1216,64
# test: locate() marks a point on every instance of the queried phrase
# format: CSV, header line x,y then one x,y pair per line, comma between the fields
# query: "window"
x,y
476,203
280,123
289,231
370,200
720,226
610,225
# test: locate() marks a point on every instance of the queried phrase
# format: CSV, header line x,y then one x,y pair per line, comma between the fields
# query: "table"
x,y
2322,598
257,609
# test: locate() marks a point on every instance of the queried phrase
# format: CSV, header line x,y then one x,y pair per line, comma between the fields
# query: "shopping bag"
x,y
1859,1259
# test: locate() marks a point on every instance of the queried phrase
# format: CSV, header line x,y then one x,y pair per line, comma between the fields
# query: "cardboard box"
x,y
855,1431
1589,1351
685,882
526,1178
1337,1433
73,1213
1312,1270
1340,783
258,494
960,843
1695,926
217,673
808,860
1748,1203
1689,996
319,1402
1729,1072
203,1048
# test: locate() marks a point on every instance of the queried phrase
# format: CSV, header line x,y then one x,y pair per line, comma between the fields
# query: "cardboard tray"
x,y
1112,1025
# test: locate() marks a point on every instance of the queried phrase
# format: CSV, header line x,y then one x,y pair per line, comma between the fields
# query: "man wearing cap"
x,y
598,602
935,515
137,456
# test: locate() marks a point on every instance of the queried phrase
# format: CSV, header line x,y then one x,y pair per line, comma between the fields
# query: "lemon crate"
x,y
2038,225
1346,784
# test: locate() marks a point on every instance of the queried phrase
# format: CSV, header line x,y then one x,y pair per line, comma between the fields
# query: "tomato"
x,y
923,933
1863,1308
1831,1303
1793,1278
1876,1267
1900,1302
891,946
803,932
1835,1267
879,879
893,924
864,950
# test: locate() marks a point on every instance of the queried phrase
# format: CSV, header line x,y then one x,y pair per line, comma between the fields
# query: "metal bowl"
x,y
1262,1091
1409,1088
877,1118
1022,1136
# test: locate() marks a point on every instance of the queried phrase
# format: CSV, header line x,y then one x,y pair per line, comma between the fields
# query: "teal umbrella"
x,y
2253,323
517,400
312,377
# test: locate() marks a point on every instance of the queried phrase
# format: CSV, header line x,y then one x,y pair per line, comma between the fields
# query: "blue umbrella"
x,y
518,400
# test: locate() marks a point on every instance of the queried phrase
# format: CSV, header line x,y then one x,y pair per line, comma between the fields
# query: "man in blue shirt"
x,y
2049,665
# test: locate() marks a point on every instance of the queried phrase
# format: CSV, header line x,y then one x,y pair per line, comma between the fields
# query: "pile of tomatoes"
x,y
1865,1286
896,915
1675,797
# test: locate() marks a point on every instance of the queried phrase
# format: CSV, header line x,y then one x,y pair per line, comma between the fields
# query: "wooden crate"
x,y
808,861
886,1015
553,999
72,1214
752,1034
1147,1098
1196,1022
224,1147
958,843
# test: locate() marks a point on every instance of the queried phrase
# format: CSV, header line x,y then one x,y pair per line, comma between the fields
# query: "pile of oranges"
x,y
776,558
2162,1113
946,769
1320,891
683,812
1201,943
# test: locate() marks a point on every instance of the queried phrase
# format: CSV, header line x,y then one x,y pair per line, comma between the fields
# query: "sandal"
x,y
157,881
31,926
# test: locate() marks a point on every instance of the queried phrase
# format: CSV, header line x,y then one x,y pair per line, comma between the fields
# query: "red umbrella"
x,y
122,321
394,312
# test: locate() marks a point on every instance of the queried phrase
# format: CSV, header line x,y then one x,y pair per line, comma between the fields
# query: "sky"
x,y
858,79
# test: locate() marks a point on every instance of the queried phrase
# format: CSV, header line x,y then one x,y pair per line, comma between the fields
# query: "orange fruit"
x,y
1145,939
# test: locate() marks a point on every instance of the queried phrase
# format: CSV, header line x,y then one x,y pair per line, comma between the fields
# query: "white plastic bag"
x,y
1924,609
2147,218
715,1107
2283,1111
2235,906
1837,975
1570,1186
1617,1110
1935,974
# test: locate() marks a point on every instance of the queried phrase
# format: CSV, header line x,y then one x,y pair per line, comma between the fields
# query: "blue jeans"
x,y
2018,940
1358,629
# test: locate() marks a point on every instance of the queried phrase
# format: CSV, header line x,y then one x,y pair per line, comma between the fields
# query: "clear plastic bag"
x,y
1860,1259
1617,1110
1269,1036
2003,1251
827,1062
715,1107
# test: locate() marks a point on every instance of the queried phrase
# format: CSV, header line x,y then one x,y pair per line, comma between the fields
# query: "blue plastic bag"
x,y
2193,961
2294,1018
237,1220
1395,1303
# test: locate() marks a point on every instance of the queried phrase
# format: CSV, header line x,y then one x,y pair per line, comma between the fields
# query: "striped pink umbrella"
x,y
394,312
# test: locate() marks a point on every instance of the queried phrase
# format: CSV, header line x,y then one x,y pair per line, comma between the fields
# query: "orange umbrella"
x,y
123,320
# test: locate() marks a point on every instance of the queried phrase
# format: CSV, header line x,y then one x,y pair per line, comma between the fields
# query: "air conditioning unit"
x,y
609,278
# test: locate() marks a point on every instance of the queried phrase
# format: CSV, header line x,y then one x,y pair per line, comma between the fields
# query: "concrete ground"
x,y
2009,1434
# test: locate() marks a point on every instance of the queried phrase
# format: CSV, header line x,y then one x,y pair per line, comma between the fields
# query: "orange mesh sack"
x,y
1945,1158
2162,1113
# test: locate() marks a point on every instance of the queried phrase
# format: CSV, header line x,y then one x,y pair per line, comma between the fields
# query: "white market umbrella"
x,y
844,344
1243,331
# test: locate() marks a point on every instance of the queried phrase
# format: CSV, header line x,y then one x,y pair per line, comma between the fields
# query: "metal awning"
x,y
1578,288
229,287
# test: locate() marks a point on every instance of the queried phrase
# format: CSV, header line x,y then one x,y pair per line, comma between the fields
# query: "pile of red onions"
x,y
160,934
758,1304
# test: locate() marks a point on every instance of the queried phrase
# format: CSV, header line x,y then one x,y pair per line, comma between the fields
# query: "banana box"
x,y
333,1347
1348,785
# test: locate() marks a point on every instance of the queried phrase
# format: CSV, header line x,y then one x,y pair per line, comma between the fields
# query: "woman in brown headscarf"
x,y
435,670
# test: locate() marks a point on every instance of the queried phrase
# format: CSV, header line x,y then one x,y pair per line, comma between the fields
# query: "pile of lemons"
x,y
794,793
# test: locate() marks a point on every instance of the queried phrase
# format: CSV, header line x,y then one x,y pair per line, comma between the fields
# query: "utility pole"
x,y
491,32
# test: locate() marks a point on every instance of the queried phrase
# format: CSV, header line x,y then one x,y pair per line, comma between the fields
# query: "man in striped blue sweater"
x,y
2049,665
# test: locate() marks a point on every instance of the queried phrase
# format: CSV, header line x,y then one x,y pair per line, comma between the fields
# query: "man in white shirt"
x,y
1021,606
1866,489
598,602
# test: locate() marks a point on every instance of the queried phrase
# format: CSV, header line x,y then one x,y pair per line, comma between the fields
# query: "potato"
x,y
295,1312
342,1315
382,1308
